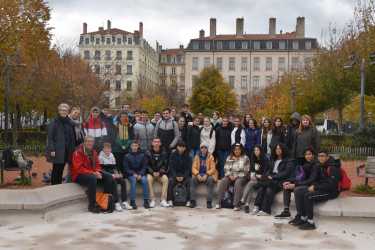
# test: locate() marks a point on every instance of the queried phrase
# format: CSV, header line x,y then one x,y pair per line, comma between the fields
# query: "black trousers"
x,y
265,197
124,194
305,200
172,183
57,173
119,156
90,181
287,195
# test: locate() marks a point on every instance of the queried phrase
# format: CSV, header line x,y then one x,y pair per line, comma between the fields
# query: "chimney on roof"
x,y
300,27
101,28
84,28
108,24
201,33
212,26
181,46
239,26
272,26
140,29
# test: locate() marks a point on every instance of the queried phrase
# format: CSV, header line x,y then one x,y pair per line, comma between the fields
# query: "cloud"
x,y
174,22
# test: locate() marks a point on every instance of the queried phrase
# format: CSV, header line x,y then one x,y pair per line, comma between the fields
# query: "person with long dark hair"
x,y
246,120
259,165
278,132
266,136
280,170
236,170
252,135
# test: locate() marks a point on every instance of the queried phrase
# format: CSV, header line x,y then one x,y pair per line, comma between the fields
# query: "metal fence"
x,y
352,151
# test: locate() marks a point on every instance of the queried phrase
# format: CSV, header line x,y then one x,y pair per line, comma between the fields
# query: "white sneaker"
x,y
152,204
126,206
261,213
255,211
236,209
164,203
170,203
218,206
118,207
188,204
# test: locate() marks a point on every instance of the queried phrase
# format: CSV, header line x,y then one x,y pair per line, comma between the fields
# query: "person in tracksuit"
x,y
326,187
304,175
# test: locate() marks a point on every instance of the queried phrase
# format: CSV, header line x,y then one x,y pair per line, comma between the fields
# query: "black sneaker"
x,y
193,204
284,214
297,221
247,209
146,204
94,210
209,204
307,226
133,204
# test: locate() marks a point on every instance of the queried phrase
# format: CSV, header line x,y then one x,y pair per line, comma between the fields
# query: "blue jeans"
x,y
133,187
222,157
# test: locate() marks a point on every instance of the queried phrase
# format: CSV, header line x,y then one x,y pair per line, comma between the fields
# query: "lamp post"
x,y
354,60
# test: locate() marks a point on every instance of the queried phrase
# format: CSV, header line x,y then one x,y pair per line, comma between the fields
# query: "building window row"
x,y
107,55
106,40
256,45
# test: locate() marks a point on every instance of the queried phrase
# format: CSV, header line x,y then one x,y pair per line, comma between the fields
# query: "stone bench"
x,y
49,197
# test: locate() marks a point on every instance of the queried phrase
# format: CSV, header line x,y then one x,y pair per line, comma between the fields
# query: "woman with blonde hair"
x,y
307,137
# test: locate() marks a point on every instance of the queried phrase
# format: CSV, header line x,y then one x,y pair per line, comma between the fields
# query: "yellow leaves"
x,y
153,104
211,92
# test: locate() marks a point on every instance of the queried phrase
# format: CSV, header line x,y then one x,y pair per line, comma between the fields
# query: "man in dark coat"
x,y
60,143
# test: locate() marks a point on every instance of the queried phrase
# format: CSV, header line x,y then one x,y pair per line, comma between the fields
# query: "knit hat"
x,y
203,145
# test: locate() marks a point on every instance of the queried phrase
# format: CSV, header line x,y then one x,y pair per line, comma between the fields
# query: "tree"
x,y
153,104
212,93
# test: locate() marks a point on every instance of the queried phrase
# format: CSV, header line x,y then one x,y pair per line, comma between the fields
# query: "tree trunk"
x,y
341,118
14,129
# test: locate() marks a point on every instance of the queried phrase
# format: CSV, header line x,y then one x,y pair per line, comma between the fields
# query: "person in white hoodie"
x,y
208,136
108,163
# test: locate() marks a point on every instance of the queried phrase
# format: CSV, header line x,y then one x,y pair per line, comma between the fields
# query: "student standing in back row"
x,y
167,130
306,137
223,144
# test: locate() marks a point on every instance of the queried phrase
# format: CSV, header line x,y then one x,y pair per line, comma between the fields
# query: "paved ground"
x,y
180,228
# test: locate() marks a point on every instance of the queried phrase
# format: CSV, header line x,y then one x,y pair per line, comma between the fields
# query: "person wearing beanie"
x,y
203,172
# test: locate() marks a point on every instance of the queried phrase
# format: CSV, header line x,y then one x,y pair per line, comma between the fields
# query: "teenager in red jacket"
x,y
87,172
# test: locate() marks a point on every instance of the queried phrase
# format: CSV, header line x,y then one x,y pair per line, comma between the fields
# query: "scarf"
x,y
123,132
202,165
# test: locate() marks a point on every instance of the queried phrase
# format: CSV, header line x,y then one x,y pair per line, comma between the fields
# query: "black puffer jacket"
x,y
193,137
179,165
329,177
157,162
223,138
285,170
311,173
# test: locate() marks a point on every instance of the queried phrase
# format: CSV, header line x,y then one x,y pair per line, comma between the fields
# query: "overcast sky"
x,y
174,22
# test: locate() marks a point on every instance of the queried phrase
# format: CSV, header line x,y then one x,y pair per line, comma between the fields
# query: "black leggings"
x,y
90,181
57,173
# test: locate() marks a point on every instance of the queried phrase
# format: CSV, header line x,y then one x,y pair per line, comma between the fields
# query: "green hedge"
x,y
25,137
363,139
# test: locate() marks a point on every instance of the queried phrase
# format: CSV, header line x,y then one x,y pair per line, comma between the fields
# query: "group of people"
x,y
183,151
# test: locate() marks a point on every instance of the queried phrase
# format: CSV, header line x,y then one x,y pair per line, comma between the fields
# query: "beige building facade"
x,y
249,62
172,69
123,60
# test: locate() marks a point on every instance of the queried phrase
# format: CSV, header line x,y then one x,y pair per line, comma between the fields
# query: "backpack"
x,y
227,201
300,173
345,183
105,202
180,195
